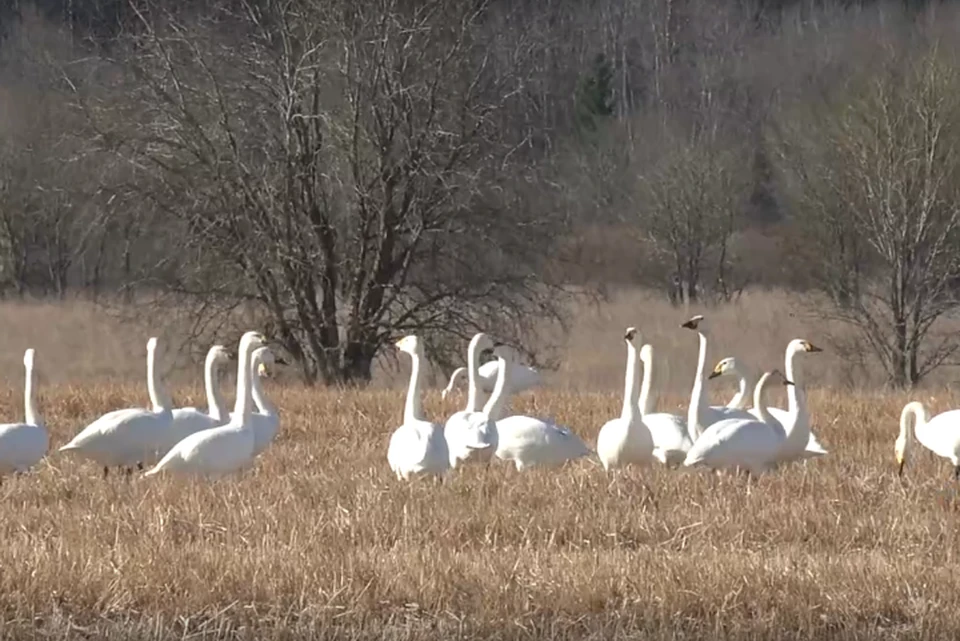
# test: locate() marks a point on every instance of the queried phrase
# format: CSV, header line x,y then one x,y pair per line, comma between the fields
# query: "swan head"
x,y
219,354
251,341
481,342
726,366
695,323
631,335
646,353
28,357
410,344
798,345
152,344
265,358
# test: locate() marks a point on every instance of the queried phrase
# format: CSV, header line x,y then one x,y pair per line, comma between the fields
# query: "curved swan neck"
x,y
241,408
473,367
793,404
457,373
920,418
739,400
29,409
697,394
413,410
264,406
495,403
648,399
631,390
158,396
211,381
759,397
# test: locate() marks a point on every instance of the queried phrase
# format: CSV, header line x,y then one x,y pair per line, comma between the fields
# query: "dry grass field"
x,y
320,541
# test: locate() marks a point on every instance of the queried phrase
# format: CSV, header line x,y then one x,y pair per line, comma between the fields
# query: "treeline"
x,y
354,171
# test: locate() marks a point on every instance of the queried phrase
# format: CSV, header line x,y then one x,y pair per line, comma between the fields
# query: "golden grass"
x,y
320,541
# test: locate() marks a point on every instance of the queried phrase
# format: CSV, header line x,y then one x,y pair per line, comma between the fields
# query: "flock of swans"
x,y
722,438
192,442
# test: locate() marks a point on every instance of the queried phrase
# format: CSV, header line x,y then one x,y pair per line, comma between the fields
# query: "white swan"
x,y
187,420
626,440
522,378
417,447
265,422
529,441
471,434
751,444
227,448
700,416
671,439
940,435
22,445
796,398
131,436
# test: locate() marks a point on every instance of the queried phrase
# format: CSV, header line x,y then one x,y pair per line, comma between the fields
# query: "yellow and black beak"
x,y
900,467
810,347
715,373
786,382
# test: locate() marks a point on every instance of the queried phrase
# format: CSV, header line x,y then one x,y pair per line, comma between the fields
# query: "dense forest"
x,y
351,172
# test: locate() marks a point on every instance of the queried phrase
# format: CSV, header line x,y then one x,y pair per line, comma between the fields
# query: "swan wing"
x,y
22,445
216,451
745,443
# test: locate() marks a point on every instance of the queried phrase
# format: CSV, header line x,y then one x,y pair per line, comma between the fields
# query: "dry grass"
x,y
319,541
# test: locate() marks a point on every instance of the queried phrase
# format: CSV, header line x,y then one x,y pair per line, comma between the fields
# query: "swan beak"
x,y
690,324
262,371
279,360
810,347
786,382
900,467
714,374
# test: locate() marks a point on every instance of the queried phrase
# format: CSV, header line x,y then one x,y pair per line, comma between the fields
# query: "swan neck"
x,y
264,406
241,408
211,381
697,394
453,380
647,399
631,389
495,403
473,366
920,418
759,398
413,410
793,403
29,409
739,400
158,395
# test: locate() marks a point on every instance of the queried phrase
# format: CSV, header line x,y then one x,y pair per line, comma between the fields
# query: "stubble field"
x,y
320,541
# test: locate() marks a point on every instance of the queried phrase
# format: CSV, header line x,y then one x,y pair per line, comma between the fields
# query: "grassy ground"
x,y
319,541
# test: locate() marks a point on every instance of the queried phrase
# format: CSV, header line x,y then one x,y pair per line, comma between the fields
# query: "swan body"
x,y
22,445
471,434
940,435
671,439
752,444
417,447
133,436
265,421
187,420
522,378
529,441
228,448
626,440
796,400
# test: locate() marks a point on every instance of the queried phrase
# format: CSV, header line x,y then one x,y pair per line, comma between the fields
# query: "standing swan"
x,y
940,435
23,444
471,434
525,440
188,420
417,447
671,439
626,440
699,416
796,399
751,444
225,449
131,436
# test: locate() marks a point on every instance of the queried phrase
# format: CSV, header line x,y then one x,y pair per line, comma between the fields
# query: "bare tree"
x,y
342,167
873,179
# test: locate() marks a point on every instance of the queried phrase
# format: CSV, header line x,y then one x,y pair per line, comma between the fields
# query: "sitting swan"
x,y
522,378
940,435
671,439
796,398
188,420
751,444
22,445
225,449
266,420
131,436
529,441
626,440
418,447
470,433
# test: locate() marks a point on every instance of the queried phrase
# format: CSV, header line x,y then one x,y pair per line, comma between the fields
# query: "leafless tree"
x,y
873,174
